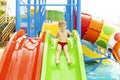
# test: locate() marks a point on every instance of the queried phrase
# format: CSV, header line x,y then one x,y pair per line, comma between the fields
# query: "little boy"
x,y
62,36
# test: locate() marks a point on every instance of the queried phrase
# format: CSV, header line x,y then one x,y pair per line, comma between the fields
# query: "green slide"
x,y
63,71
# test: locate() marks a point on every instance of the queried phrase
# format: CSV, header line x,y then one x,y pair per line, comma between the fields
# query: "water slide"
x,y
63,71
116,51
92,54
53,27
105,35
22,58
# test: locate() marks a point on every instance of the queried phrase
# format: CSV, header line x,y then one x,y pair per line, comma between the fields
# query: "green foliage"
x,y
1,12
55,15
2,2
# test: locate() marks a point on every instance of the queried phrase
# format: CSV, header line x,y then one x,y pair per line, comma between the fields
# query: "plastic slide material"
x,y
22,58
0,55
91,54
116,51
85,21
52,27
63,71
105,35
94,29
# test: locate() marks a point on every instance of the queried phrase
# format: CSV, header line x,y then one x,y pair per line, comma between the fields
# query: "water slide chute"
x,y
22,58
100,33
63,71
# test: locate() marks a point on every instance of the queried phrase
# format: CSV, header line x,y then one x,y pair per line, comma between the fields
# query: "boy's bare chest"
x,y
63,34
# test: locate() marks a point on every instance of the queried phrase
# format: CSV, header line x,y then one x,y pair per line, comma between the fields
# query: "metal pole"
x,y
35,11
39,3
78,16
45,10
17,15
72,15
48,4
29,19
67,15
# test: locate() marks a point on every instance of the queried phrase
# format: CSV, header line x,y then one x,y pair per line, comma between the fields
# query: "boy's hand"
x,y
74,35
52,36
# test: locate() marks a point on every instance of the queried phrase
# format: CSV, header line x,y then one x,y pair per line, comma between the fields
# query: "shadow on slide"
x,y
63,71
22,58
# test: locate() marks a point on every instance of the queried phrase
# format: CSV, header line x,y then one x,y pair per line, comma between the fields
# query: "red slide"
x,y
22,58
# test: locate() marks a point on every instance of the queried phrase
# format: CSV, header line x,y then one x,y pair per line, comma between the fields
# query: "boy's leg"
x,y
58,54
67,53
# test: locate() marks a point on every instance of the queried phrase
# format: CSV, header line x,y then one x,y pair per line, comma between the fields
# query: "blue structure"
x,y
32,23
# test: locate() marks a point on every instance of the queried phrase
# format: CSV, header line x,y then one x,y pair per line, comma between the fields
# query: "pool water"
x,y
104,71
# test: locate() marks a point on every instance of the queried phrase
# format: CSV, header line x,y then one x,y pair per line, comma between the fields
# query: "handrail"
x,y
2,18
7,34
8,25
5,18
8,29
1,22
2,15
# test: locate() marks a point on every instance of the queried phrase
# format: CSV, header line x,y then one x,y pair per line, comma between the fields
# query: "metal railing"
x,y
5,18
8,29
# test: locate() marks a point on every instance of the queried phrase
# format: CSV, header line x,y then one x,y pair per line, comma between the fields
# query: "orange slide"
x,y
116,51
22,58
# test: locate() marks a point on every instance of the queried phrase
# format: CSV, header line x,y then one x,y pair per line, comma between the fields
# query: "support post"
x,y
35,10
17,15
79,17
29,18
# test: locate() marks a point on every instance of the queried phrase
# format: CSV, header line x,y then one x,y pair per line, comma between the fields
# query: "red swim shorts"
x,y
62,44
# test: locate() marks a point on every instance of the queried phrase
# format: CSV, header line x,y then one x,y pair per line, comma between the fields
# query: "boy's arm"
x,y
69,33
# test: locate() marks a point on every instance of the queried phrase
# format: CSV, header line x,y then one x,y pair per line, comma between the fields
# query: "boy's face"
x,y
63,26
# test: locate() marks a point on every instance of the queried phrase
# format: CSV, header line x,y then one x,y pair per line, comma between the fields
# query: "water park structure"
x,y
31,56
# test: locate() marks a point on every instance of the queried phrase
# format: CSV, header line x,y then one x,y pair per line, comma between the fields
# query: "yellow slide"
x,y
91,54
53,27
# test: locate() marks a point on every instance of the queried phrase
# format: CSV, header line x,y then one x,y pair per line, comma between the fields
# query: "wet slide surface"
x,y
22,58
62,71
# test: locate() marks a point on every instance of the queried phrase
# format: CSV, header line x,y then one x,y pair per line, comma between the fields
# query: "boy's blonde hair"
x,y
61,22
